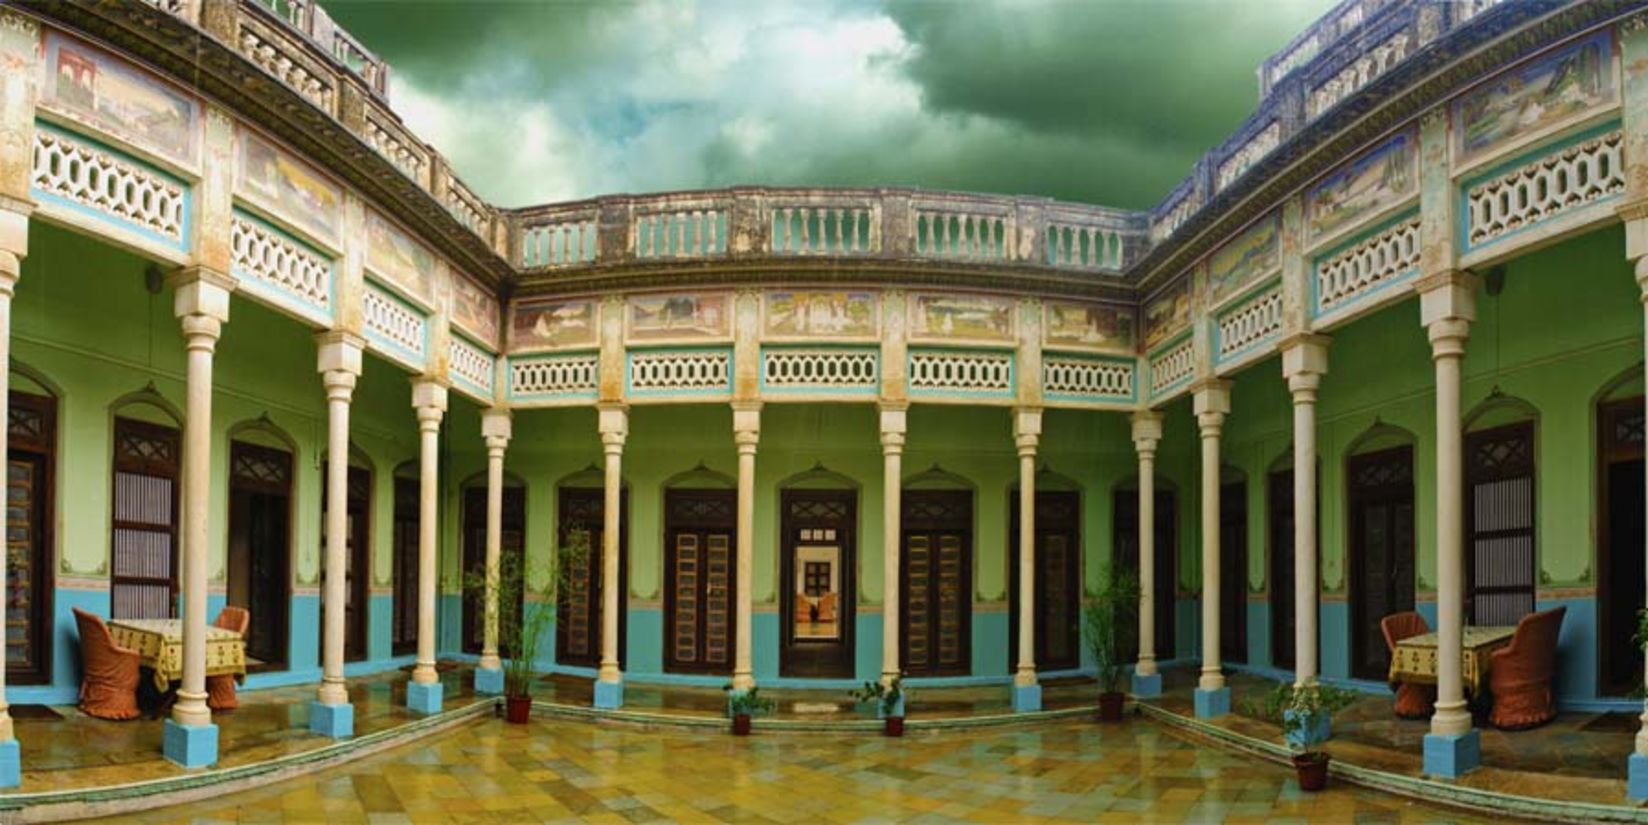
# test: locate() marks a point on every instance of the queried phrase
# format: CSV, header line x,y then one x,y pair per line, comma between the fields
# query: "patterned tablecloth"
x,y
1415,658
160,644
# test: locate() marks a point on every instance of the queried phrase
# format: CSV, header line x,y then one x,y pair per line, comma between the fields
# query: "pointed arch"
x,y
938,478
1627,384
34,380
819,477
1380,436
1500,409
700,477
261,543
148,405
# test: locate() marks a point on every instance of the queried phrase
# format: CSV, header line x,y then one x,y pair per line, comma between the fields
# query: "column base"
x,y
424,698
1026,698
189,746
489,680
898,709
1315,730
1452,756
609,695
11,764
1147,687
336,721
1636,777
1211,704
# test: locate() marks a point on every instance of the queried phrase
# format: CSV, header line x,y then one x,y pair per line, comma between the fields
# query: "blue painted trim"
x,y
1636,777
489,680
1317,728
11,764
1211,704
1451,757
186,226
424,698
336,721
609,695
1531,155
1147,687
190,746
1026,698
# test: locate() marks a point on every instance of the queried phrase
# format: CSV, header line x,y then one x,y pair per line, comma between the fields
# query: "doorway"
x,y
1620,497
578,627
1499,524
936,582
1125,538
1058,580
404,634
148,465
1380,489
818,562
699,541
31,451
1233,571
260,549
357,561
511,542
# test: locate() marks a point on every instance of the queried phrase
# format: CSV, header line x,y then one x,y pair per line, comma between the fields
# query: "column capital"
x,y
497,427
1211,402
1147,430
14,225
1447,295
895,421
1304,353
339,351
201,291
1027,422
428,397
746,423
612,420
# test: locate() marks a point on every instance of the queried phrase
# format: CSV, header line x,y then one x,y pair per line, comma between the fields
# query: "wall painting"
x,y
1098,326
1388,174
393,254
1549,90
288,187
1166,313
475,310
547,323
106,93
680,316
962,317
1244,258
820,314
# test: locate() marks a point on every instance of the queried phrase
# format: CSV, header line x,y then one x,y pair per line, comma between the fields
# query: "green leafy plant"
x,y
747,702
1110,623
1298,710
888,695
524,612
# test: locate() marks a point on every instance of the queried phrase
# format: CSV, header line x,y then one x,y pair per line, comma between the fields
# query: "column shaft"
x,y
1026,672
1304,535
340,387
743,678
1448,350
1147,433
892,483
1212,677
429,428
614,429
10,267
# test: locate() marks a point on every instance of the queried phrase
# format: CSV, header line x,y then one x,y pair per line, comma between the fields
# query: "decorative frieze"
x,y
470,365
389,321
111,186
790,369
961,372
1367,265
562,242
1250,324
286,267
1173,366
1086,379
826,230
1559,182
687,233
1251,152
657,372
548,376
1361,71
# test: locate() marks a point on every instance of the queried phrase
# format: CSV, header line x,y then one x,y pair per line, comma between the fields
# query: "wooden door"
x,y
404,633
1620,499
1058,581
818,563
1380,488
1499,524
1233,571
31,449
260,508
699,568
511,541
1284,625
147,466
936,583
578,624
1125,538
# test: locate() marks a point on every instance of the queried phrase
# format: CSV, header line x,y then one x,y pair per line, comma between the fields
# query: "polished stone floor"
x,y
571,771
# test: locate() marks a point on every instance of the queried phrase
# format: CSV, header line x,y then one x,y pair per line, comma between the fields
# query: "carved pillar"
x,y
14,228
746,426
894,421
1635,215
1212,403
613,422
429,401
339,363
1147,433
1026,436
1304,362
496,431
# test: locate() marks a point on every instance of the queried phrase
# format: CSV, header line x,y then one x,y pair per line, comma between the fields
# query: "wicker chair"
x,y
220,690
108,686
1412,701
1520,673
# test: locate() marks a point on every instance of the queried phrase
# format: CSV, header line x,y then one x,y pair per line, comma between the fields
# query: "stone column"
x,y
496,431
1304,362
201,303
1447,307
894,421
340,366
1147,433
1212,403
746,432
1026,436
14,237
613,422
423,694
1636,248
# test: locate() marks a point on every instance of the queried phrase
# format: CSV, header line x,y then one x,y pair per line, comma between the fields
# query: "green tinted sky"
x,y
1104,101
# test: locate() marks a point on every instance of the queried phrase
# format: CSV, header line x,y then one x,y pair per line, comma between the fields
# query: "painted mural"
x,y
288,187
962,317
553,323
1386,175
1244,258
1166,312
821,314
393,254
475,310
1097,326
107,93
680,316
1558,87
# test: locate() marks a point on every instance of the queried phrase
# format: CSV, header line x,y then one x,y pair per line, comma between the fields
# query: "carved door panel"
x,y
31,448
1058,581
1381,552
699,573
578,626
1499,524
937,583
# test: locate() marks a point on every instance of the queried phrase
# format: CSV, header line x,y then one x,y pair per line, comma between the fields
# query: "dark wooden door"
x,y
1621,488
147,466
1380,488
404,634
511,542
817,561
699,569
1233,571
936,582
578,625
1499,524
31,449
260,512
1125,538
1283,619
1058,581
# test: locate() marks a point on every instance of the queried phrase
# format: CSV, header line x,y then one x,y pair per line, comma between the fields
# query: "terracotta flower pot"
x,y
1313,770
741,724
518,709
1110,706
893,725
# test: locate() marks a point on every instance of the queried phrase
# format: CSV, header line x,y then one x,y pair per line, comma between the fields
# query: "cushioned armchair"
x,y
1520,673
1412,701
220,690
108,686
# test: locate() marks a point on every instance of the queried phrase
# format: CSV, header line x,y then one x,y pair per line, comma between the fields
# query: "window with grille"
x,y
147,465
1499,524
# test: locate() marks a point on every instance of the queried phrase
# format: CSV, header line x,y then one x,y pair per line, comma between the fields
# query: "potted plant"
x,y
1110,622
889,700
1304,713
742,704
524,613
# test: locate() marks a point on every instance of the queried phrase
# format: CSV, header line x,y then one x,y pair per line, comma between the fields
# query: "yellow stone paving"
x,y
558,771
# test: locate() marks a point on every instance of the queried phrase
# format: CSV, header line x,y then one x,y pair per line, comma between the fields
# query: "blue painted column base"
x,y
609,695
489,680
898,709
1026,698
1315,731
336,721
1636,777
424,698
11,764
1147,687
1451,757
190,746
1211,704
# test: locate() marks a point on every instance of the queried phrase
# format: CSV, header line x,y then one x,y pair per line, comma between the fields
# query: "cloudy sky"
x,y
1103,101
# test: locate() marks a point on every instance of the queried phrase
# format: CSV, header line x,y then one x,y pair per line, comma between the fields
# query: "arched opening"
x,y
511,542
259,569
818,524
1620,529
700,541
1380,557
580,533
1124,538
357,554
148,469
405,521
1500,470
936,574
1058,557
1232,564
31,476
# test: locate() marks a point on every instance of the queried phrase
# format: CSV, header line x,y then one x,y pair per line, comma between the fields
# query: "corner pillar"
x,y
423,694
1147,433
1212,404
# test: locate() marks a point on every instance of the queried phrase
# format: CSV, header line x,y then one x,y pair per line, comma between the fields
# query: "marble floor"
x,y
572,771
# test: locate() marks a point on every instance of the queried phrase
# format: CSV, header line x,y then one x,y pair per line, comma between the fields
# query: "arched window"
x,y
1499,511
148,465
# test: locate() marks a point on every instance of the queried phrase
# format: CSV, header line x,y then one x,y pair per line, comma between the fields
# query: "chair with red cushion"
x,y
220,689
108,686
1520,673
1412,701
